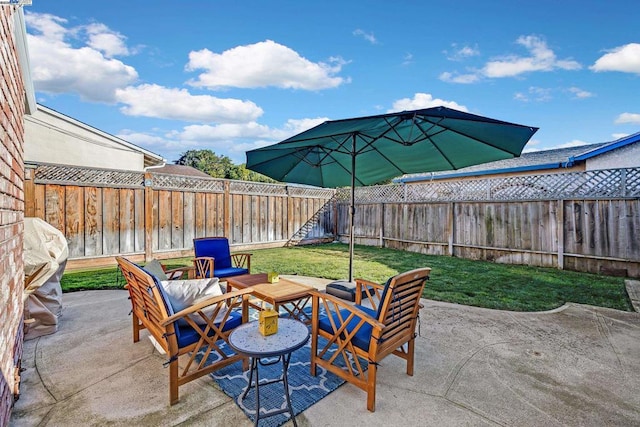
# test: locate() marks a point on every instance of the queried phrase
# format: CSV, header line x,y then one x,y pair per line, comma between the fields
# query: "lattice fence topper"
x,y
607,183
73,175
263,189
257,188
163,181
311,192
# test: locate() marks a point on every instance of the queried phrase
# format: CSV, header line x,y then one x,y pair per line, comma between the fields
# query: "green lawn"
x,y
477,283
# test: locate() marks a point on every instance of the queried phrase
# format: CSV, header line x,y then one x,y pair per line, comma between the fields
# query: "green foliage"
x,y
219,166
477,283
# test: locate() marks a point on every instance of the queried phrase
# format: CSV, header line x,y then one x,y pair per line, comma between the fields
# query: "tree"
x,y
219,166
242,173
208,162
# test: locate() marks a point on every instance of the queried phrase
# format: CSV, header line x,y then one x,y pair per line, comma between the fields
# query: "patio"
x,y
576,365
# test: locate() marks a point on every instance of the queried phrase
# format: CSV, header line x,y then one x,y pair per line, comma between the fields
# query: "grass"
x,y
476,283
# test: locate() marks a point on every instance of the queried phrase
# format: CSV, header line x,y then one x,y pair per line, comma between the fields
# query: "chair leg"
x,y
371,387
410,353
136,327
315,310
173,382
314,351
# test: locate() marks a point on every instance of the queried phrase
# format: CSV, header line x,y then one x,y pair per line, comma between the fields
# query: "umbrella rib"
x,y
437,123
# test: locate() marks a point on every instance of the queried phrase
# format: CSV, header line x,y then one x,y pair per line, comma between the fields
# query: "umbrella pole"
x,y
352,207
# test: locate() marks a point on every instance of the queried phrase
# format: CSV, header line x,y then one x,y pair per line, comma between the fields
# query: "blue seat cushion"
x,y
362,338
229,271
187,335
226,272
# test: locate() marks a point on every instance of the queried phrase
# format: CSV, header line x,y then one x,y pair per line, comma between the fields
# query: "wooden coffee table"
x,y
289,295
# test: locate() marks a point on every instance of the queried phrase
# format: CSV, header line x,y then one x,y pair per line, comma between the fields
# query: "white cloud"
x,y
59,67
574,143
619,135
632,118
232,139
408,59
263,64
580,93
540,59
532,146
537,94
224,131
178,104
623,58
110,43
459,78
370,37
519,96
460,53
423,100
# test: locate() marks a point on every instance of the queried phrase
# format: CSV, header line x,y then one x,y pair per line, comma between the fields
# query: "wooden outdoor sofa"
x,y
200,327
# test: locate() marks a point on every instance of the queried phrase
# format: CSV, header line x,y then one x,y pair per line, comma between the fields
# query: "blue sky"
x,y
232,76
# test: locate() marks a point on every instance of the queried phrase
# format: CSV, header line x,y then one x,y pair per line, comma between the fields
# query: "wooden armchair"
x,y
368,334
161,272
213,258
204,325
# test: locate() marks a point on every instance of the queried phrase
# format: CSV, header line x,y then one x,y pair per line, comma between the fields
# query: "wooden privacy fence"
x,y
584,221
104,213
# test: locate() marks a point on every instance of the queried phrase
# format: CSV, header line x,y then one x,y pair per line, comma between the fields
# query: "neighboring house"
x,y
182,170
621,153
54,138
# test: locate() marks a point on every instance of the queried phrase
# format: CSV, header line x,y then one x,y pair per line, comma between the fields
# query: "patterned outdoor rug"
x,y
305,390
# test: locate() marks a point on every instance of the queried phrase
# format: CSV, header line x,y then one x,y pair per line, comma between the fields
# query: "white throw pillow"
x,y
185,293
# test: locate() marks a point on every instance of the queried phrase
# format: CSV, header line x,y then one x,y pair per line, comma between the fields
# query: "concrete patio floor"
x,y
577,365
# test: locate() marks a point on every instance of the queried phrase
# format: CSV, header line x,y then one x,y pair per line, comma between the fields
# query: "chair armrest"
x,y
242,260
239,294
373,292
330,301
176,273
201,265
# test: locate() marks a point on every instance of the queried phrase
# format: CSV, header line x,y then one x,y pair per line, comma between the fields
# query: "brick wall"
x,y
12,104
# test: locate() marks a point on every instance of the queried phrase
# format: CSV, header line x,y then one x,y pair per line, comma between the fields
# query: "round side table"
x,y
247,339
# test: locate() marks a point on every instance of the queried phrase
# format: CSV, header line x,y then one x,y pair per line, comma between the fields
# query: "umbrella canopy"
x,y
369,150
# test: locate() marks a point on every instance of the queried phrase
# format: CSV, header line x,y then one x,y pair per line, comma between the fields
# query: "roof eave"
x,y
481,173
22,49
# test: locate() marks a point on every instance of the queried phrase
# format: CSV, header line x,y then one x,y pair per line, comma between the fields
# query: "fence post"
x,y
29,192
227,210
148,216
560,232
335,219
290,227
381,223
450,226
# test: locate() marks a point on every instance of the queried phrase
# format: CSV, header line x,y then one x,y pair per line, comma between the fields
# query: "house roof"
x,y
530,161
180,170
150,158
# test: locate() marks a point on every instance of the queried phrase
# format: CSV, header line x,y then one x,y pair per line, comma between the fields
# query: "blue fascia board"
x,y
528,168
627,140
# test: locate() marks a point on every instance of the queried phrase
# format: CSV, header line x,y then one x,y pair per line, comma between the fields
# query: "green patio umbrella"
x,y
369,150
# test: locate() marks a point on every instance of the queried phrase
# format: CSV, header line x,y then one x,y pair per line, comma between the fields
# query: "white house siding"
x,y
51,137
625,157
